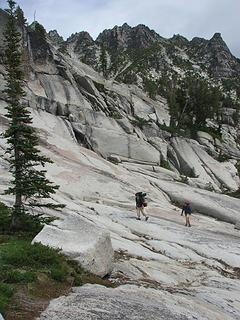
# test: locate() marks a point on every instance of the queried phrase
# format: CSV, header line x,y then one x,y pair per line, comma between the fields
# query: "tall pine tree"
x,y
29,184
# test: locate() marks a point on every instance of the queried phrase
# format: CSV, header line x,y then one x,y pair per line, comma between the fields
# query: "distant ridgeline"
x,y
187,73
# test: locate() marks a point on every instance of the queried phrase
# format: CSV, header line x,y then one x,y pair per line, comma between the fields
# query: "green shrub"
x,y
59,273
6,293
5,218
15,276
140,122
215,133
150,87
165,164
22,253
222,157
115,114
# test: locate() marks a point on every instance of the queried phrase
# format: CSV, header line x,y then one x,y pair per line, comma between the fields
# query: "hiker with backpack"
x,y
140,205
187,210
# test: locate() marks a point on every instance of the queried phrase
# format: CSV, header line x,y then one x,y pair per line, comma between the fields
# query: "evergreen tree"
x,y
29,184
103,61
22,21
174,107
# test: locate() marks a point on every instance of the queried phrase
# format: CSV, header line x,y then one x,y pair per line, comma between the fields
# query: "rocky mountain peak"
x,y
126,37
179,40
197,41
217,35
218,43
55,37
126,26
215,55
81,38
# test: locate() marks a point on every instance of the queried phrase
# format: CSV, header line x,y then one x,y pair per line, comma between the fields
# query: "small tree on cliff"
x,y
29,183
103,61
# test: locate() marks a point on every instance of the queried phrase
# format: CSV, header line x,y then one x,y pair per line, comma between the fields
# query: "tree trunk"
x,y
17,211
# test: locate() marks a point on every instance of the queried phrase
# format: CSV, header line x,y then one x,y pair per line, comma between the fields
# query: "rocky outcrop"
x,y
196,163
130,302
126,302
82,241
55,38
126,37
83,45
155,55
216,55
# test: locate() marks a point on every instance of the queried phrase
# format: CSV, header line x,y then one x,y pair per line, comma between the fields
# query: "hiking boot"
x,y
189,225
146,219
186,225
138,218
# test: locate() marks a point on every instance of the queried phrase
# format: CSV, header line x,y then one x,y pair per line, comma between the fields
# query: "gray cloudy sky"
x,y
167,17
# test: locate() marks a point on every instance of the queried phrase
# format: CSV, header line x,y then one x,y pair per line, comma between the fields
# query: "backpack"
x,y
140,199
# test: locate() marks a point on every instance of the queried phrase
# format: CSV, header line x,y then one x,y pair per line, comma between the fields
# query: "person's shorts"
x,y
187,214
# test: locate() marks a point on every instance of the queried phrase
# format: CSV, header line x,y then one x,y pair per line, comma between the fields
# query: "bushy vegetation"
x,y
222,157
232,84
165,164
140,122
22,263
114,113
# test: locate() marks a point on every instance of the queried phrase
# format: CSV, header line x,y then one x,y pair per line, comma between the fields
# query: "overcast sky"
x,y
189,18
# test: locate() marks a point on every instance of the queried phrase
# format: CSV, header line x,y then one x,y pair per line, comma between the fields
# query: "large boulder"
x,y
82,241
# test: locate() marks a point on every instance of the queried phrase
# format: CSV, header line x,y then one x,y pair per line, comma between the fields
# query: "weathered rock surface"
x,y
82,241
125,302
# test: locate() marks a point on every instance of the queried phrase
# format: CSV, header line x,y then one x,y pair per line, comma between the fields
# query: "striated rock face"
x,y
176,272
126,302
